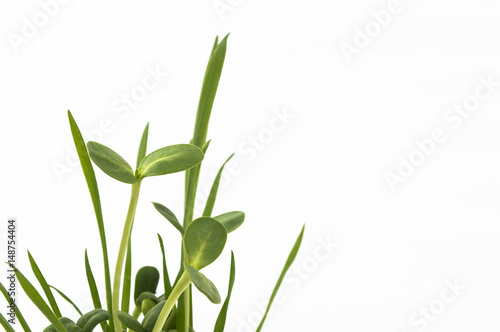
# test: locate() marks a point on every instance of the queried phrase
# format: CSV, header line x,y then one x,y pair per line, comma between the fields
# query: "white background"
x,y
352,119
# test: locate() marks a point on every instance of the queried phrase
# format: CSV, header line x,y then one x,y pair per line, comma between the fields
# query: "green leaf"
x,y
221,319
111,163
6,324
170,159
169,215
213,192
127,278
129,321
203,284
19,315
92,318
37,300
46,289
205,146
231,220
150,319
204,241
146,280
92,284
88,171
166,280
289,261
68,324
143,146
67,299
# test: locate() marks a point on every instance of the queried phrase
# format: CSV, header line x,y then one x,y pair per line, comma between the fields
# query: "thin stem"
x,y
127,231
178,290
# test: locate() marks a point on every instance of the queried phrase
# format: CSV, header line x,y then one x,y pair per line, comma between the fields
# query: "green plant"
x,y
203,238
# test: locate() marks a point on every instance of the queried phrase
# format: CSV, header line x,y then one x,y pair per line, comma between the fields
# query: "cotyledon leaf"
x,y
129,321
204,241
111,163
203,284
231,220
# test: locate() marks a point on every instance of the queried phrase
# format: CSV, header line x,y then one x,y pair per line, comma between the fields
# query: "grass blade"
x,y
143,146
127,278
166,280
46,289
96,300
67,299
169,215
19,316
88,171
289,261
213,192
6,324
37,300
221,319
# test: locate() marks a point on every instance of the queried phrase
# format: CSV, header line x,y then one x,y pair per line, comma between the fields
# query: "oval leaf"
x,y
151,317
146,280
111,163
129,321
170,159
204,241
203,284
231,220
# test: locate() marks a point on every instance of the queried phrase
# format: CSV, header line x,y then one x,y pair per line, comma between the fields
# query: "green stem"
x,y
127,231
178,290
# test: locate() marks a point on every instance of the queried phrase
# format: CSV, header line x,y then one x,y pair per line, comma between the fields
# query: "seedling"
x,y
203,238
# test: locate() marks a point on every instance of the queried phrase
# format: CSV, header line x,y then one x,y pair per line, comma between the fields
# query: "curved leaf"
x,y
169,215
67,299
146,280
170,159
68,324
203,284
231,220
129,321
204,241
150,319
92,318
111,163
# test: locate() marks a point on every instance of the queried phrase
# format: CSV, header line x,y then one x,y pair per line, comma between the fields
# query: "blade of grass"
x,y
93,289
67,299
143,146
37,300
6,324
289,261
166,280
88,171
45,287
213,192
19,316
127,279
221,319
207,97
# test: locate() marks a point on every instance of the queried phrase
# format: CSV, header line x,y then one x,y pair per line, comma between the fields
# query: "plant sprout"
x,y
203,238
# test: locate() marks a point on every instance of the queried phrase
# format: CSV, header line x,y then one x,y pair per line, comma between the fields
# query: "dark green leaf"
x,y
143,146
203,284
92,284
170,159
146,280
289,261
152,316
213,192
221,319
67,299
166,280
46,289
37,300
231,220
204,241
88,171
129,321
169,215
111,163
92,318
68,324
19,315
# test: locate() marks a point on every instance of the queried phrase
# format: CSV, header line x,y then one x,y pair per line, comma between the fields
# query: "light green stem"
x,y
179,288
127,231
